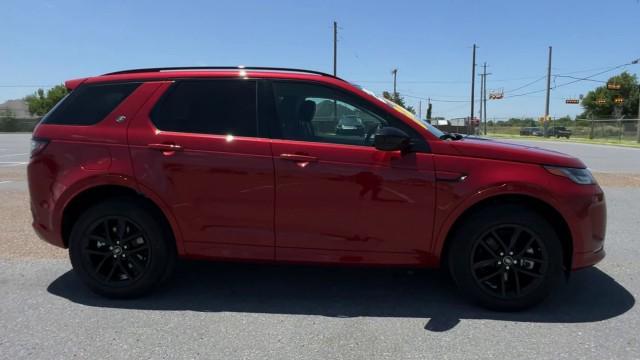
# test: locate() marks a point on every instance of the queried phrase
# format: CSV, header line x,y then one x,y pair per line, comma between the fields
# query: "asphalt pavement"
x,y
247,311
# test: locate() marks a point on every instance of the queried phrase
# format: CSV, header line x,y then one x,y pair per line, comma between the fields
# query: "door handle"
x,y
165,147
298,158
448,176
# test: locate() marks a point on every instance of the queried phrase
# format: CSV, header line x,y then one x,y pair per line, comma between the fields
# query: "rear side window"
x,y
220,107
89,104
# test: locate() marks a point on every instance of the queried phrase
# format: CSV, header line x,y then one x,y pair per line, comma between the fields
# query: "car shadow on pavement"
x,y
590,294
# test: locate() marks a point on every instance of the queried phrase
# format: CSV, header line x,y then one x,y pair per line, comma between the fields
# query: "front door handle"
x,y
165,147
298,158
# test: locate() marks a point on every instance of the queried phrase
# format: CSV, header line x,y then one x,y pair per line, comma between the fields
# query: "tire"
x,y
108,232
472,263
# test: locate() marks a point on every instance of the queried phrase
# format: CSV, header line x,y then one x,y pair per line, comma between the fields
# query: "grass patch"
x,y
615,142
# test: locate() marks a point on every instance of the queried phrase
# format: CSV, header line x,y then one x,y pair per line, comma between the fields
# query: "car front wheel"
x,y
506,258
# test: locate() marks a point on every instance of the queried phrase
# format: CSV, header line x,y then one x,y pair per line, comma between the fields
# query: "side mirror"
x,y
391,139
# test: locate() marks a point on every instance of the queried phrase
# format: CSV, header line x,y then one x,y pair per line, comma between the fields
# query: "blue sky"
x,y
47,42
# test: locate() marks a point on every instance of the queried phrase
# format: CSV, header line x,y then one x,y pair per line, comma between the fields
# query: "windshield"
x,y
350,120
432,129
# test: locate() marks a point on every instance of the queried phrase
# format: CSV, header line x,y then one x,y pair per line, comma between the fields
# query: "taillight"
x,y
37,145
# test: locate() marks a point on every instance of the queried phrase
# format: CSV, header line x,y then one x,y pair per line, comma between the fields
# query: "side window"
x,y
89,104
220,107
310,112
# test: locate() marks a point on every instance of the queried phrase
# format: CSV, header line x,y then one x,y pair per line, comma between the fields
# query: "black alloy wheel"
x,y
509,261
122,248
116,251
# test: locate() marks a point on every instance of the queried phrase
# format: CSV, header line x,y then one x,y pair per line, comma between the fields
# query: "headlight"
x,y
578,176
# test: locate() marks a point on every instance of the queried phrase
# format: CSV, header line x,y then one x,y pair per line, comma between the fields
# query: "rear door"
x,y
200,149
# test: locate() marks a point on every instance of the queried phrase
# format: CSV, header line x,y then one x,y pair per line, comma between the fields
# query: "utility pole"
x,y
635,62
481,94
473,83
335,48
484,95
419,109
546,106
395,73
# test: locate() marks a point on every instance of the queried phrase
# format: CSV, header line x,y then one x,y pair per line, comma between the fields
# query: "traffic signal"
x,y
572,101
613,86
601,101
618,100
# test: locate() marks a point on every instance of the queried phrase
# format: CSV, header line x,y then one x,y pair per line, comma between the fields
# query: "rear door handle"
x,y
298,158
448,176
165,147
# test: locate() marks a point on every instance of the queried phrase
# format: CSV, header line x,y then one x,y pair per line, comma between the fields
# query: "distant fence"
x,y
11,124
607,129
457,129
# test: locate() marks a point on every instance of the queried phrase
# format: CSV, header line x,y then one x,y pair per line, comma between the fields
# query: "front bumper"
x,y
588,228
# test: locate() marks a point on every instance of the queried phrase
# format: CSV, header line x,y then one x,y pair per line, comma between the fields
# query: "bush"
x,y
12,124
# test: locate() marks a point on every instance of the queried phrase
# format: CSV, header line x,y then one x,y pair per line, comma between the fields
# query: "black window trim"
x,y
421,147
261,132
69,96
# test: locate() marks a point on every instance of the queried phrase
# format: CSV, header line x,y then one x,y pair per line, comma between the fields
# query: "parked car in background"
x,y
558,132
350,125
531,131
135,169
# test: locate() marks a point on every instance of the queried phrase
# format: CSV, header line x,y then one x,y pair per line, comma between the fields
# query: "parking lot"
x,y
244,311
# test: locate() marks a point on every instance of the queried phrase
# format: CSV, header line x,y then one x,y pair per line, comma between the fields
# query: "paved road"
x,y
245,311
14,155
601,158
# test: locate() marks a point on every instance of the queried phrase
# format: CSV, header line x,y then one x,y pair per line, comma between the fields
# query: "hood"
x,y
501,150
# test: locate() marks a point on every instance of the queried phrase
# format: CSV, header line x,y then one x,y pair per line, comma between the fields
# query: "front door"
x,y
338,199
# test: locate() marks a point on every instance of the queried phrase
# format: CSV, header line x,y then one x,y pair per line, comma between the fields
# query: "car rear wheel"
x,y
119,249
506,258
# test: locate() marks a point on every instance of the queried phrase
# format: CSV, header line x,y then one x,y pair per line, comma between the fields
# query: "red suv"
x,y
136,168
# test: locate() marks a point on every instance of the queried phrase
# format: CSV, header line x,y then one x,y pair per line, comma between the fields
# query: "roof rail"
x,y
204,68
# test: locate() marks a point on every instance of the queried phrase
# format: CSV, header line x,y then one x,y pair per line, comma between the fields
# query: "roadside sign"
x,y
496,94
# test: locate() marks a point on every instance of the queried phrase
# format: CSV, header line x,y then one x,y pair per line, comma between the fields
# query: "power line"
x,y
440,81
436,100
26,86
527,84
594,75
577,78
588,78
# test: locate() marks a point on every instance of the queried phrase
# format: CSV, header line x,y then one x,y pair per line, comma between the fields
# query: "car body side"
x,y
99,156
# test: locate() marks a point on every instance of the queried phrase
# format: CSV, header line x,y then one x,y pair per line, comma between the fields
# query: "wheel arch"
x,y
89,196
543,208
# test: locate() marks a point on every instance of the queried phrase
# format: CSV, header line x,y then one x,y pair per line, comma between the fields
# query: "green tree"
x,y
396,98
628,91
41,102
